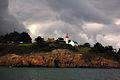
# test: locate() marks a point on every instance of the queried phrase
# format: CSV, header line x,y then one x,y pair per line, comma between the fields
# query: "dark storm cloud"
x,y
83,20
8,23
110,7
80,10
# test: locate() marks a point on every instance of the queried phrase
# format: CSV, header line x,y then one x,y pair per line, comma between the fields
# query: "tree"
x,y
118,52
40,41
98,47
108,48
60,39
13,37
1,39
86,45
7,38
25,37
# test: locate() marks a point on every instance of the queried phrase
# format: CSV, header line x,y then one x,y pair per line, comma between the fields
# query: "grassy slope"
x,y
25,44
26,49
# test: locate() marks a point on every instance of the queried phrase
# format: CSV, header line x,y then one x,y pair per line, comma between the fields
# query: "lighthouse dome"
x,y
67,36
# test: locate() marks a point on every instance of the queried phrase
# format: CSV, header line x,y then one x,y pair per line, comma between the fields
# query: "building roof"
x,y
50,40
73,41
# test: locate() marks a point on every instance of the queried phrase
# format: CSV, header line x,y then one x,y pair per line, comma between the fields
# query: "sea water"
x,y
58,74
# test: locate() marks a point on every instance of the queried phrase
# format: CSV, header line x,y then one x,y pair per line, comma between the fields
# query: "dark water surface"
x,y
58,74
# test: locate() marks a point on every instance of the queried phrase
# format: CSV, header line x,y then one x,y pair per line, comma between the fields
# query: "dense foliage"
x,y
40,41
11,43
15,37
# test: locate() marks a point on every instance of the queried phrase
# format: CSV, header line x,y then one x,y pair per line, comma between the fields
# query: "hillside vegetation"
x,y
21,44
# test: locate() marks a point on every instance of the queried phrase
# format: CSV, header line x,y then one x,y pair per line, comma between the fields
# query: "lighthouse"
x,y
66,38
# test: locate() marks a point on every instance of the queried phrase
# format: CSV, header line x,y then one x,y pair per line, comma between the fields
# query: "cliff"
x,y
57,58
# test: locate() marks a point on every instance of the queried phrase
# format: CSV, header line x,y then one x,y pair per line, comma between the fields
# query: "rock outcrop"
x,y
57,58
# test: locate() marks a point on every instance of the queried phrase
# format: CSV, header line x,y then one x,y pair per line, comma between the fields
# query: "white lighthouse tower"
x,y
66,38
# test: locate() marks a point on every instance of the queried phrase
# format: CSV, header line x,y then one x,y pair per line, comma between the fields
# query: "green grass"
x,y
25,44
83,50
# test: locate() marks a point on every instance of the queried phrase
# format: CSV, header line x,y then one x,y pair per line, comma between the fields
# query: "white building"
x,y
71,42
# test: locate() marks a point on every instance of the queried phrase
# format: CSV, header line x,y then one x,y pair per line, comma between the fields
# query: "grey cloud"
x,y
8,23
109,7
78,9
73,14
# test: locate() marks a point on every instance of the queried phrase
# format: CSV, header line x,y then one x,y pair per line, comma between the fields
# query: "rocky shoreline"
x,y
59,58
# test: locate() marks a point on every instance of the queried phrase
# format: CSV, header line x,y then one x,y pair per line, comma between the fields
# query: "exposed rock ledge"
x,y
57,58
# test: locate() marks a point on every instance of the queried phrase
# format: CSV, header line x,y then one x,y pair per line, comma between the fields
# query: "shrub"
x,y
98,48
40,41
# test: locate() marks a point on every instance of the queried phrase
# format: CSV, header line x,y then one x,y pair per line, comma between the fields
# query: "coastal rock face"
x,y
57,58
10,60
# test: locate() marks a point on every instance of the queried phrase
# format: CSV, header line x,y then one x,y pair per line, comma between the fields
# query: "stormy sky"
x,y
84,20
8,22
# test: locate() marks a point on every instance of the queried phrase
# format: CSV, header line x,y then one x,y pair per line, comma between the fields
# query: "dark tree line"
x,y
24,37
42,45
15,37
60,43
40,41
87,45
99,48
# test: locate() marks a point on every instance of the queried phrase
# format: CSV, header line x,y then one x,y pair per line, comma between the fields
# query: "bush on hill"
x,y
98,48
15,37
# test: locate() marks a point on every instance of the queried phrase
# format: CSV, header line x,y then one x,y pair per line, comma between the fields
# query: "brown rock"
x,y
57,58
